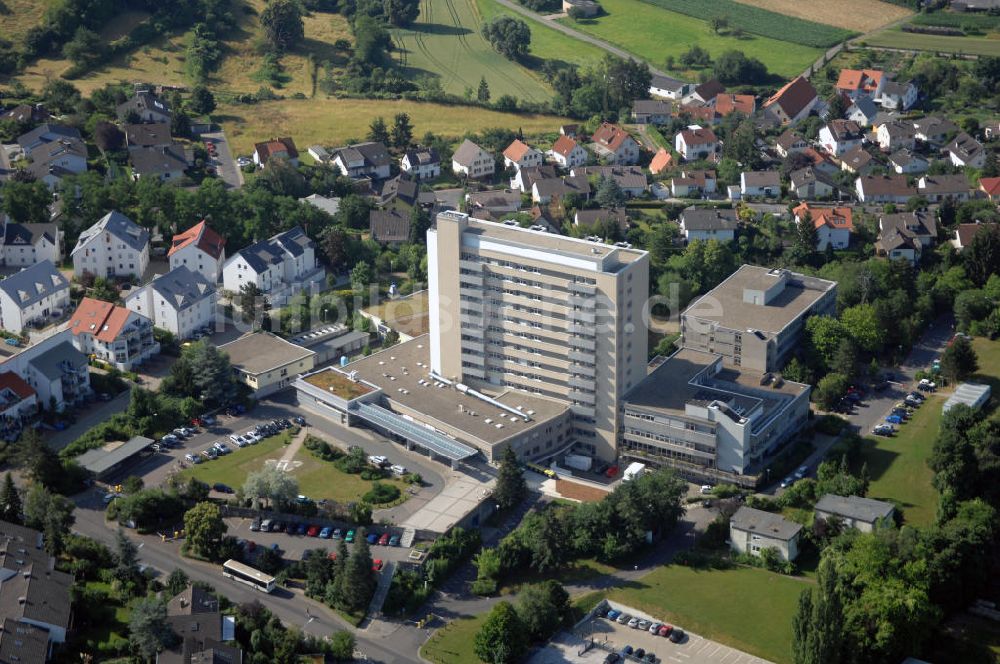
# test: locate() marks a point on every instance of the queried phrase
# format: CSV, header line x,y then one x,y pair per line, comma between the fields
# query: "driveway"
x,y
225,165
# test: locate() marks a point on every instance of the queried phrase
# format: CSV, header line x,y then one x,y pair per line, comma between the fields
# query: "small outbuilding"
x,y
973,395
105,462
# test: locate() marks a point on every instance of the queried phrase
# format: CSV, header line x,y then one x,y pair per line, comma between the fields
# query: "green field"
x,y
445,43
454,643
896,38
547,43
654,33
747,608
898,465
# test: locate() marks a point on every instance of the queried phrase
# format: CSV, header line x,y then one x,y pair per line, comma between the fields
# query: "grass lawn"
x,y
896,38
898,465
233,468
747,608
968,639
575,572
546,43
112,628
445,43
454,643
321,479
335,121
988,353
18,16
654,33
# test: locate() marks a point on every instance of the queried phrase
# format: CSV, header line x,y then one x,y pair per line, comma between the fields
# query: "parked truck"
x,y
634,470
578,462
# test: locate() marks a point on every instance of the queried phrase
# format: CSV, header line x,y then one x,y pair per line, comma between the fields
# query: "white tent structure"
x,y
972,395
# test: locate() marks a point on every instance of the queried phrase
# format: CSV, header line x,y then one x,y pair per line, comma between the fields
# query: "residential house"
x,y
861,83
600,216
631,179
651,111
113,247
28,244
148,135
519,154
26,114
472,161
390,227
864,514
884,189
201,632
708,224
614,145
693,183
276,148
114,334
701,114
278,265
144,106
991,130
841,136
907,162
752,530
44,135
966,151
726,104
568,153
362,160
400,188
421,163
582,8
764,184
671,88
808,183
790,142
182,301
36,293
329,205
965,233
793,102
696,143
200,249
54,161
496,201
18,406
905,235
834,225
525,177
936,188
858,161
820,161
935,130
553,189
990,187
167,164
662,161
56,370
569,130
705,93
899,96
896,135
319,153
863,111
267,363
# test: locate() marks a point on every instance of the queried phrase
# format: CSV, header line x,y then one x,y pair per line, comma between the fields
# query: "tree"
x,y
361,277
830,389
371,40
718,23
609,193
420,223
401,13
510,488
695,56
10,502
202,101
543,608
502,639
806,237
108,137
148,629
126,570
204,529
402,131
862,325
342,646
483,94
508,36
252,302
982,256
60,96
202,372
818,625
359,579
825,334
378,132
282,23
50,513
990,167
837,106
270,484
26,202
959,360
85,49
735,68
177,582
353,212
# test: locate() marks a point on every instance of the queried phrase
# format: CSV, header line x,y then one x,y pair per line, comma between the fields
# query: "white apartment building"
x,y
199,249
35,293
55,369
113,247
543,314
27,244
181,301
276,266
472,161
113,334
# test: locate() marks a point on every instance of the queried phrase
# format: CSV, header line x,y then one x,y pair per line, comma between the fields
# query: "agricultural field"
x,y
654,33
853,15
336,121
445,43
896,38
547,43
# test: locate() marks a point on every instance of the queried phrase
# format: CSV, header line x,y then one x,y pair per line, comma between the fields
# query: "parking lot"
x,y
692,649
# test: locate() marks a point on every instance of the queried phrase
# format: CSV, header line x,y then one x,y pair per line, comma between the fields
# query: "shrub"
x,y
381,493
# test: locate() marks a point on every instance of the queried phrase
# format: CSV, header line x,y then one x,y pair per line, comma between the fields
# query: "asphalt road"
x,y
224,163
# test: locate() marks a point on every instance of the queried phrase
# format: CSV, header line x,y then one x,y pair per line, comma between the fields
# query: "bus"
x,y
233,569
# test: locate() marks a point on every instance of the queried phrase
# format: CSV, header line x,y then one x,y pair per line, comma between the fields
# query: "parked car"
x,y
643,625
801,472
372,538
378,460
639,653
377,565
894,419
336,533
883,430
650,657
655,627
302,529
291,528
265,525
633,623
623,618
210,454
350,536
325,532
255,525
787,482
612,658
398,470
222,488
313,531
910,400
394,540
706,489
677,635
918,396
627,650
384,540
613,614
665,630
301,421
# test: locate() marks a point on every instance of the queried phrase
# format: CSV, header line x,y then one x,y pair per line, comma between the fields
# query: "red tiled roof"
x,y
990,186
611,136
516,150
726,104
700,136
16,384
276,146
859,79
834,217
793,97
662,160
564,145
98,318
966,232
204,237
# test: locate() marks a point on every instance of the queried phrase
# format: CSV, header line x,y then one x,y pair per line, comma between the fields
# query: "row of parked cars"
x,y
322,532
675,634
900,413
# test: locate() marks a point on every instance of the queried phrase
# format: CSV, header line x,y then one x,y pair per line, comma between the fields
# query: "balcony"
x,y
584,369
584,397
475,346
586,317
578,329
584,383
582,411
584,302
471,280
582,289
583,342
582,358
